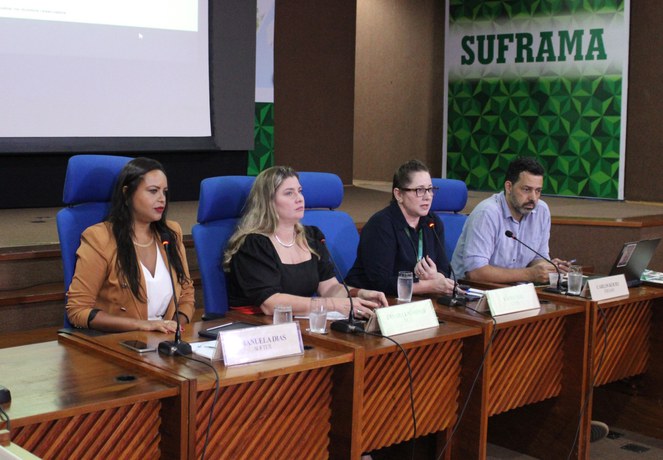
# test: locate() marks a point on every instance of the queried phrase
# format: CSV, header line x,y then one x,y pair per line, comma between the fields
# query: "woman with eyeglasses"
x,y
404,236
273,259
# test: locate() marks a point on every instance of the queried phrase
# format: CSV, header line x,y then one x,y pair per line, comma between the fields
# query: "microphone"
x,y
350,325
454,300
177,346
558,289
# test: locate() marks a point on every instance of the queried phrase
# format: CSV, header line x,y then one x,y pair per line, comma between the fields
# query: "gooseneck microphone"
x,y
177,346
350,325
454,300
558,289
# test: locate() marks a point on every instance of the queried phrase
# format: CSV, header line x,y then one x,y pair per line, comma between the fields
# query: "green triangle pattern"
x,y
572,125
489,10
262,156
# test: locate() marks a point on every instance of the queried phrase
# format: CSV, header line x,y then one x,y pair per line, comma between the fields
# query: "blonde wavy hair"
x,y
259,214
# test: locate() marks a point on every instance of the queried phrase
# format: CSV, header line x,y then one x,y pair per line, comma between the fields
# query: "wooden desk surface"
x,y
534,379
65,400
49,380
314,357
379,412
258,404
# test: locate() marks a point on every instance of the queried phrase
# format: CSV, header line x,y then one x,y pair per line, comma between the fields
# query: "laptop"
x,y
633,259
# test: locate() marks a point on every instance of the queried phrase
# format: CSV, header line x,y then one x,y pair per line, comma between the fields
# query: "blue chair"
x,y
323,194
219,208
88,187
448,202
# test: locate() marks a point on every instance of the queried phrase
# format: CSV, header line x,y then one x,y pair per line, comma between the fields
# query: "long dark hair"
x,y
121,216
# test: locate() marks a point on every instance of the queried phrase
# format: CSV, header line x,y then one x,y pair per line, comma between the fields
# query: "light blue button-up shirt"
x,y
483,240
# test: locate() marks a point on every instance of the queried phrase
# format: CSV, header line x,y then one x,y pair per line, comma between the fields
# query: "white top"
x,y
159,290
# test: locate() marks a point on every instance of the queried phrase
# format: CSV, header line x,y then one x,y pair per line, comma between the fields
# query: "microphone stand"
x,y
454,300
558,289
350,325
177,346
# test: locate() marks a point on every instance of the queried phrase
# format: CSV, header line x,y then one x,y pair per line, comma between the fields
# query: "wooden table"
x,y
67,403
627,371
534,383
273,409
375,392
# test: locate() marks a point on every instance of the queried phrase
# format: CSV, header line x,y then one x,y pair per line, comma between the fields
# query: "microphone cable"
x,y
583,409
217,386
474,382
454,300
411,382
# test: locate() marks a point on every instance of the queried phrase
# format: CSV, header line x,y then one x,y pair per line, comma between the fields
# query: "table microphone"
x,y
177,346
454,300
558,289
350,325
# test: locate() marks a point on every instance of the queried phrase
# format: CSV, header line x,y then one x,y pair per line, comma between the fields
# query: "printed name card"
x,y
407,317
512,299
253,344
608,287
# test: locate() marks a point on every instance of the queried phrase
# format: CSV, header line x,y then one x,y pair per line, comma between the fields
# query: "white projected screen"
x,y
104,68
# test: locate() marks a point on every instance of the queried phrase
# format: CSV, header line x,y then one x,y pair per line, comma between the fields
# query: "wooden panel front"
x,y
127,432
282,417
624,351
526,364
387,415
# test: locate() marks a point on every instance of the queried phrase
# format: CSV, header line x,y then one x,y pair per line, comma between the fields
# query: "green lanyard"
x,y
420,251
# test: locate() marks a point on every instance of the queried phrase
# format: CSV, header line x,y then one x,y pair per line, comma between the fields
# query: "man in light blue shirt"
x,y
485,253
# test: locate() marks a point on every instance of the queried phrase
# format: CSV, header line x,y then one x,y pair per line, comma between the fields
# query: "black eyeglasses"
x,y
421,191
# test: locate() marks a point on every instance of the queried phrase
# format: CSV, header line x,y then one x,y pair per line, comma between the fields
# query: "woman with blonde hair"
x,y
272,259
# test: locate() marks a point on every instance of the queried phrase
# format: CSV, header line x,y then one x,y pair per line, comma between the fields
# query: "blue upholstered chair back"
x,y
88,186
323,193
219,208
448,202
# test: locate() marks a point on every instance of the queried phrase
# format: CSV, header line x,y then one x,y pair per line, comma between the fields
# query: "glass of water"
x,y
317,317
404,286
574,280
282,314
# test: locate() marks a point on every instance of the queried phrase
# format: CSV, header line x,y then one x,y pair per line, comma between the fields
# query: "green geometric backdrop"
x,y
262,156
571,124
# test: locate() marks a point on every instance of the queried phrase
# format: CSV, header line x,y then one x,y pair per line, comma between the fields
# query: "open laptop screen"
x,y
633,259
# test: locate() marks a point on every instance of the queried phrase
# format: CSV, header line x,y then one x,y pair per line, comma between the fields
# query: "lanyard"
x,y
419,251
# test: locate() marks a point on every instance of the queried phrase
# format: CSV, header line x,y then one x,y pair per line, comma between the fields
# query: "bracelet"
x,y
354,292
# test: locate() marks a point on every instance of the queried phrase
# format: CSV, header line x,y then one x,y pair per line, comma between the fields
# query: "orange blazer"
x,y
97,284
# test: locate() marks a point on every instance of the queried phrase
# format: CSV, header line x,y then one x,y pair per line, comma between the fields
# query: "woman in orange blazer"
x,y
121,281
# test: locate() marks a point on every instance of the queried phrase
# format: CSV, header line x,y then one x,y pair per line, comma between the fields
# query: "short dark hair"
x,y
520,164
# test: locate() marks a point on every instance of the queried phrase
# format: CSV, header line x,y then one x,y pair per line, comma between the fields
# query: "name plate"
x,y
407,317
608,287
253,344
512,299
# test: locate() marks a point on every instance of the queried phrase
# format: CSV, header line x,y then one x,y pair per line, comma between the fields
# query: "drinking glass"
x,y
553,277
317,317
282,314
574,280
404,286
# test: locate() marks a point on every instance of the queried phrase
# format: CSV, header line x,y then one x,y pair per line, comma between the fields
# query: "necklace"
x,y
286,245
146,245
